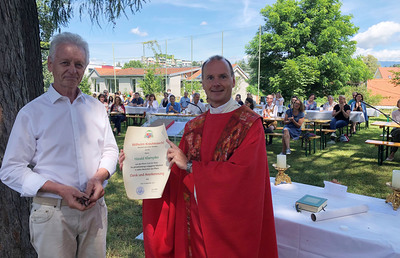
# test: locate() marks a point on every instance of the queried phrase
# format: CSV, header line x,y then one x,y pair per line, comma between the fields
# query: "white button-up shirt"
x,y
64,142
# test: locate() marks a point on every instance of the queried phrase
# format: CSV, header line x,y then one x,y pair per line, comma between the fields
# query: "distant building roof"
x,y
382,85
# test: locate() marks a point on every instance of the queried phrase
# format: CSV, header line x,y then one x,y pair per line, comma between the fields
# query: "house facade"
x,y
126,80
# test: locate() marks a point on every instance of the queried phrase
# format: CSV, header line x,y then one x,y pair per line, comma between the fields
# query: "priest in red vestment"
x,y
217,201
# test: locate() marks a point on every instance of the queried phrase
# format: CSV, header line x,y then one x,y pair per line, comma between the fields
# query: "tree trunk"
x,y
21,80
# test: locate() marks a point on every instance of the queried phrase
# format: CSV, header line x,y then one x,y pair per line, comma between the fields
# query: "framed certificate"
x,y
146,167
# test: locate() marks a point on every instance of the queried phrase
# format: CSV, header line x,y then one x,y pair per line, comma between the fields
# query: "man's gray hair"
x,y
217,57
196,94
68,37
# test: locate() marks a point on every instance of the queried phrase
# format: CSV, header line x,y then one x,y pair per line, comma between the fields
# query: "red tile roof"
x,y
382,85
386,72
142,71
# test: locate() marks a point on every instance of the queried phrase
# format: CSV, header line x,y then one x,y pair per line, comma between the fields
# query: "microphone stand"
x,y
201,111
387,117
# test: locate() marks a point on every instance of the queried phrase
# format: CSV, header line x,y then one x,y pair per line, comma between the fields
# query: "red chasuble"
x,y
224,207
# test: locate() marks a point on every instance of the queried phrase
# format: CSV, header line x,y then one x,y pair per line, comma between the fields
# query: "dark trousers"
x,y
117,120
395,138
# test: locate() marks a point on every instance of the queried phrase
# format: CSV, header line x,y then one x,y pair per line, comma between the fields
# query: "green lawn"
x,y
353,164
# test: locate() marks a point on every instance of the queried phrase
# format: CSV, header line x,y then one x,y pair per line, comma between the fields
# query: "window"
x,y
110,85
133,85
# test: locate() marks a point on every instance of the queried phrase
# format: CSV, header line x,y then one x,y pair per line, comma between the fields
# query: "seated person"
x,y
137,101
184,102
164,101
249,102
196,110
294,118
310,104
173,107
354,94
270,111
357,105
117,114
395,132
328,106
152,104
341,114
238,99
292,100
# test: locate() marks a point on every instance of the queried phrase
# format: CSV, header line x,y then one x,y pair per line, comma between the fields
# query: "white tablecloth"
x,y
355,116
372,112
141,110
372,234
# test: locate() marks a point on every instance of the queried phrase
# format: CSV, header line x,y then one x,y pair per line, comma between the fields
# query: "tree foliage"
x,y
396,79
305,47
372,63
151,82
84,86
133,64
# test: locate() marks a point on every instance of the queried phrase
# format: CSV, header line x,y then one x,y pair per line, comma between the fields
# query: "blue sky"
x,y
195,30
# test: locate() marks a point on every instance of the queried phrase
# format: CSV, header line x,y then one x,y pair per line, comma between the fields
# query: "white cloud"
x,y
249,14
138,32
381,55
379,34
203,23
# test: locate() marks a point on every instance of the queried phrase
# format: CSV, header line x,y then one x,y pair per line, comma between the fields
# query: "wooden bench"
x,y
308,142
381,145
136,118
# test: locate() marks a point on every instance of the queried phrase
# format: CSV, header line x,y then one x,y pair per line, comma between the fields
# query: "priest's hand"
x,y
176,156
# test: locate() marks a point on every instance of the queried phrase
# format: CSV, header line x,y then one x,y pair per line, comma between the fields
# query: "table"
x,y
320,123
372,234
142,110
355,116
386,128
372,112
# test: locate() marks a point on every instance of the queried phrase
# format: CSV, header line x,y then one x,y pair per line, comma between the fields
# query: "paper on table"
x,y
146,168
339,213
335,189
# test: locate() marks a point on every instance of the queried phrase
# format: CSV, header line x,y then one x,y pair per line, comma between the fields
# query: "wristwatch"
x,y
189,166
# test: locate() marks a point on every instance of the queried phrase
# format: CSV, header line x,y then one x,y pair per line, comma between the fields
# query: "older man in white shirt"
x,y
196,107
61,151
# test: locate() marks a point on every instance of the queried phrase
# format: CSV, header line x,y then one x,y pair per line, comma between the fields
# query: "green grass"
x,y
353,164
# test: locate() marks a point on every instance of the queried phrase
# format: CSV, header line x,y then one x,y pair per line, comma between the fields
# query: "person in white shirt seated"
x,y
152,104
196,107
270,111
328,106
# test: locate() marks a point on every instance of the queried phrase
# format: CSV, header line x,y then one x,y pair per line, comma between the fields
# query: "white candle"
x,y
396,178
282,161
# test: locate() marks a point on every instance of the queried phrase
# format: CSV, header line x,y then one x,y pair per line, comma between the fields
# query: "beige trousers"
x,y
59,231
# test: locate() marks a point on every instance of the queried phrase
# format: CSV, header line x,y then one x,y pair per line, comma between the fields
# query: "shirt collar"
x,y
54,95
225,108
